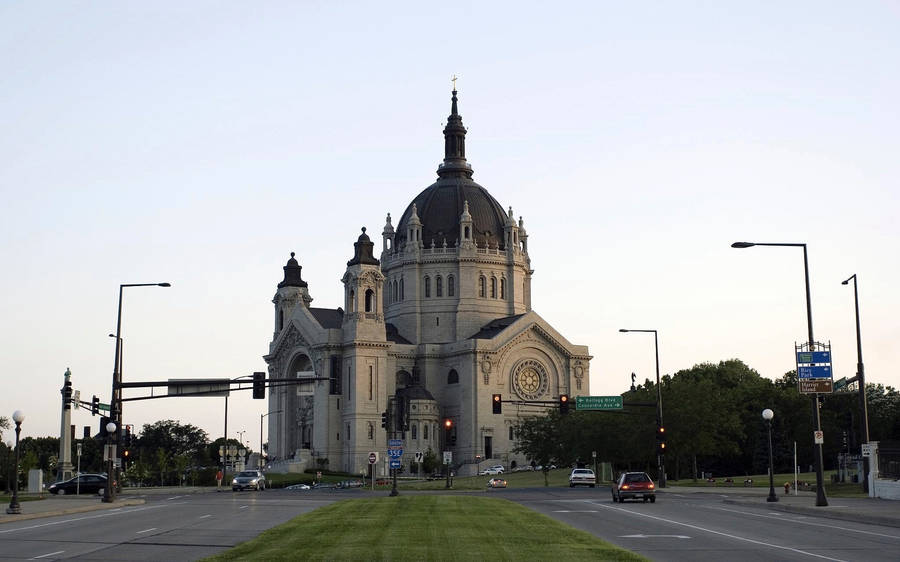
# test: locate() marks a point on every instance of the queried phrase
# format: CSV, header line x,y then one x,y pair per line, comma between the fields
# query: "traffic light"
x,y
384,420
95,406
497,404
67,394
660,440
103,421
449,432
128,436
564,404
259,386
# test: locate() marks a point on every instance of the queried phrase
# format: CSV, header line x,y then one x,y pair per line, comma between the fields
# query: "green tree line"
x,y
712,415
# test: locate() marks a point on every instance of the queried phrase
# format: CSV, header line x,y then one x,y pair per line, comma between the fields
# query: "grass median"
x,y
427,527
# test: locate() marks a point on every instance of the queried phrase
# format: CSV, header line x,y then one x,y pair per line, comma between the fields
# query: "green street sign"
x,y
103,407
840,384
598,402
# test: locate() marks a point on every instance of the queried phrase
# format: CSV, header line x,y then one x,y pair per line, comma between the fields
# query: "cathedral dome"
x,y
440,205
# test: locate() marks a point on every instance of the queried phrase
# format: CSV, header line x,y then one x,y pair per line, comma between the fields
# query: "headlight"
x,y
234,481
253,481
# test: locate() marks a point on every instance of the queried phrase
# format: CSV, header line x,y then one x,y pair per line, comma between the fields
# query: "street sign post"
x,y
373,457
395,462
598,403
814,374
819,437
448,457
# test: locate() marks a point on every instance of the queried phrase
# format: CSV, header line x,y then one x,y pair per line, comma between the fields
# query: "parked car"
x,y
297,487
83,484
496,483
490,471
499,468
248,479
582,477
634,485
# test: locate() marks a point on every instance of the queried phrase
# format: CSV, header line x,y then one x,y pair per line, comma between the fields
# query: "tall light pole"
x,y
817,447
241,433
767,415
14,507
861,380
115,404
660,457
261,416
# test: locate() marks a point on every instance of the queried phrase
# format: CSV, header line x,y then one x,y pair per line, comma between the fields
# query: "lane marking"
x,y
175,497
576,511
654,536
735,537
785,516
46,555
205,516
146,530
244,506
64,521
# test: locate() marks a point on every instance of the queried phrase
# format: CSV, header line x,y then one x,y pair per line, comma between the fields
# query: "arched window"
x,y
493,287
427,287
371,431
482,287
503,288
451,287
280,320
439,287
512,433
370,300
415,428
425,431
394,291
466,234
452,377
351,306
402,294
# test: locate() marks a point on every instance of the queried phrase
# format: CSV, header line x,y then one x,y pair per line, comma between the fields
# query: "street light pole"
x,y
861,381
261,416
14,507
660,457
767,415
115,404
817,447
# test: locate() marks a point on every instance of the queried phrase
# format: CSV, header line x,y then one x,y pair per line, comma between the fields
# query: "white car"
x,y
490,471
582,477
498,467
249,479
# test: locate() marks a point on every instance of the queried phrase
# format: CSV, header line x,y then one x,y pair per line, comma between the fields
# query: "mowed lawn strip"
x,y
425,528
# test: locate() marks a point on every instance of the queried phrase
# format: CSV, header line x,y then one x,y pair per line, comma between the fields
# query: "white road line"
x,y
146,530
781,515
735,537
244,506
576,511
175,497
46,555
64,521
205,516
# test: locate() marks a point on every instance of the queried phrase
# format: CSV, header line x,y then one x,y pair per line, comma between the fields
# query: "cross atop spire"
x,y
454,164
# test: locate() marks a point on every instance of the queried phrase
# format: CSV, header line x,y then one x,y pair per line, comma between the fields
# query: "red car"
x,y
634,485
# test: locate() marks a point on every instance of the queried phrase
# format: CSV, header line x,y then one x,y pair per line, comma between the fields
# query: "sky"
x,y
200,143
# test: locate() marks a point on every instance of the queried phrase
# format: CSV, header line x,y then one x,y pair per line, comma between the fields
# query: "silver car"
x,y
248,479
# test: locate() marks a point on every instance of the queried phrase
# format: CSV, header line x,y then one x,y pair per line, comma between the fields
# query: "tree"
x,y
4,424
538,438
165,440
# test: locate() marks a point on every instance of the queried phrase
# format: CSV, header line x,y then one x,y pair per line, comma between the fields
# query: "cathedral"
x,y
439,323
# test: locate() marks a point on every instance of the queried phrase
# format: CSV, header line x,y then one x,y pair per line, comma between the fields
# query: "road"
x,y
678,526
701,527
167,528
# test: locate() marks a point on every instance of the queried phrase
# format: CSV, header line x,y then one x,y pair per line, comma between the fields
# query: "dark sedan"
x,y
82,484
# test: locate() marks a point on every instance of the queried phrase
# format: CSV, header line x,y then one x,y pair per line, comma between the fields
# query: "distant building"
x,y
443,319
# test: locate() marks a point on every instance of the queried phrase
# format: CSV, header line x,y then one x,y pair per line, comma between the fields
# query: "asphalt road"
x,y
167,528
701,527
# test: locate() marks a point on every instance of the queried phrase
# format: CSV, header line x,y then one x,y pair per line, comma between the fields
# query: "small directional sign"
x,y
395,448
598,402
813,357
420,456
395,463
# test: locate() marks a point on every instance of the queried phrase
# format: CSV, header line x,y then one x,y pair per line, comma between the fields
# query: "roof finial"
x,y
454,82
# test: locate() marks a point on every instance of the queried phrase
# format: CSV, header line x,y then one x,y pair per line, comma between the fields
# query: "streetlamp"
x,y
261,416
660,457
817,447
115,405
767,415
861,380
241,433
14,508
109,492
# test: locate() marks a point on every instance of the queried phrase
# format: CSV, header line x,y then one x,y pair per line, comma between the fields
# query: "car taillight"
x,y
624,486
650,486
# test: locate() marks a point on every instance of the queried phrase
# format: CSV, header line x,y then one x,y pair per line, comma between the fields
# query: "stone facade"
x,y
443,318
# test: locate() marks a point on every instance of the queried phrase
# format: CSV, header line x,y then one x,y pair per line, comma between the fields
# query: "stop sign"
x,y
373,458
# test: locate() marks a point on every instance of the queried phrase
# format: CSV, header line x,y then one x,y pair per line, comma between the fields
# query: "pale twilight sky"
x,y
200,143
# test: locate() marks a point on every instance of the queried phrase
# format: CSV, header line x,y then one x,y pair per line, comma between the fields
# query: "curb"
x,y
857,517
81,509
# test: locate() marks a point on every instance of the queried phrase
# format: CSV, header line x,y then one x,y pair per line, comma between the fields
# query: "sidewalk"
x,y
862,510
63,505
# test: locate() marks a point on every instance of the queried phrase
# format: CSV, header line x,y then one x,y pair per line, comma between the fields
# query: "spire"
x,y
454,164
363,251
292,274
